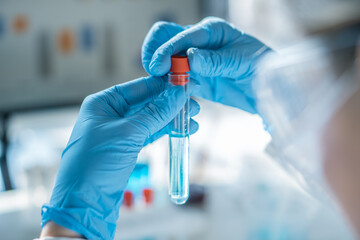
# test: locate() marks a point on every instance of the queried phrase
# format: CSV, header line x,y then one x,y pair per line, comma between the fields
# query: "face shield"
x,y
315,16
298,91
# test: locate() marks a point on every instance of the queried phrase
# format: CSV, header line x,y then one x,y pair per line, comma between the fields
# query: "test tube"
x,y
179,136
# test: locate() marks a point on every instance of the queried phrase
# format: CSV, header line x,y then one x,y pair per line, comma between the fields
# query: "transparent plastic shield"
x,y
298,91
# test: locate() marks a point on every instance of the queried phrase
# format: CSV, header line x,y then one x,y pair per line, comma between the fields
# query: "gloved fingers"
x,y
212,63
141,90
159,112
226,91
194,127
229,63
210,33
159,33
117,100
194,107
192,86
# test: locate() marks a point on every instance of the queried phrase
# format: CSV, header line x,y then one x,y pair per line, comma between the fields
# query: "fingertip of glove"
x,y
194,126
177,95
145,65
194,108
195,59
158,69
159,65
177,91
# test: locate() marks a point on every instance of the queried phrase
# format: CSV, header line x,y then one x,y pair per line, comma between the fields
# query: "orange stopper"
x,y
179,69
179,65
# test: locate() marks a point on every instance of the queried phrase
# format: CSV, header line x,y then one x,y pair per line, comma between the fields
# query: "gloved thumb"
x,y
218,63
159,112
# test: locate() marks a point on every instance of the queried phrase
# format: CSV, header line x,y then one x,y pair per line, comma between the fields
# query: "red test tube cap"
x,y
128,199
179,64
148,195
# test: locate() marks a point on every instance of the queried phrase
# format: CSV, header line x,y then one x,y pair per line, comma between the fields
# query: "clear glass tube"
x,y
179,148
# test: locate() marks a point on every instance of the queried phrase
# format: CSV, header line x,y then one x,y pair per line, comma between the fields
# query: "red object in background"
x,y
148,195
128,199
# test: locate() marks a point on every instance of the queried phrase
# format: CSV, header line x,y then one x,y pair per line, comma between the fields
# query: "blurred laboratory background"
x,y
55,53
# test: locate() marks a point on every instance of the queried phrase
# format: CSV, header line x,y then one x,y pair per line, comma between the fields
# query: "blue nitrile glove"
x,y
112,127
222,58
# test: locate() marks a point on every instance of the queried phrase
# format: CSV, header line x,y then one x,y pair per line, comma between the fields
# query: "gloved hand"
x,y
112,127
222,59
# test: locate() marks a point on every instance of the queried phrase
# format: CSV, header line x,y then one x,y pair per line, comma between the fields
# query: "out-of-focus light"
x,y
66,41
128,199
148,196
20,24
2,26
87,38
